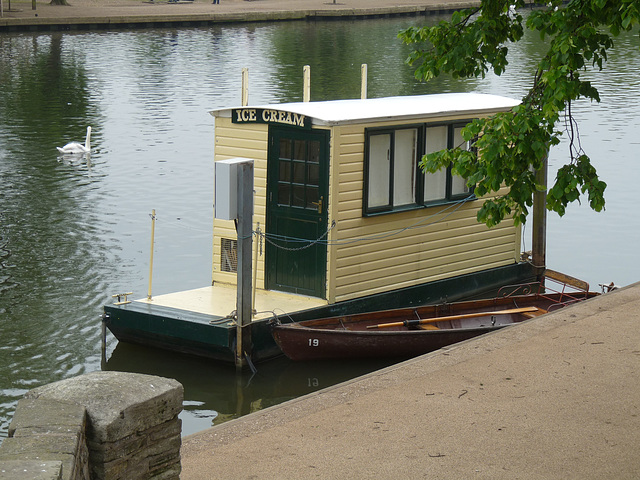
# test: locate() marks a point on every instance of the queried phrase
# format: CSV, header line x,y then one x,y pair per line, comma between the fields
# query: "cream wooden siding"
x,y
375,254
247,141
368,255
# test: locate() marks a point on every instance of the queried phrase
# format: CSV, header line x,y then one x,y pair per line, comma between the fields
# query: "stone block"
x,y
133,429
47,429
40,444
46,448
30,470
118,403
37,416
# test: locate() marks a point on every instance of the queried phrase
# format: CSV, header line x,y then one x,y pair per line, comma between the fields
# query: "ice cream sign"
x,y
271,116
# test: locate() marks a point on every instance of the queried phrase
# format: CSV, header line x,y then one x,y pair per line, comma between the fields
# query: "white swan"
x,y
75,147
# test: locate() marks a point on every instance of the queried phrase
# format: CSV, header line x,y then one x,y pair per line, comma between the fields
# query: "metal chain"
x,y
312,243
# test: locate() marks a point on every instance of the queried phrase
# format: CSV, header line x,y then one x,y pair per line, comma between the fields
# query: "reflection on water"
x,y
73,232
216,393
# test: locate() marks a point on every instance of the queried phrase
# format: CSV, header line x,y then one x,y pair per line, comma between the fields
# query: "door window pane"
x,y
312,198
298,196
285,171
284,192
284,180
285,148
314,174
299,150
298,172
314,151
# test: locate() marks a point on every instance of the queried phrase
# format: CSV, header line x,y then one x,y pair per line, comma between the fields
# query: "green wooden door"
x,y
297,187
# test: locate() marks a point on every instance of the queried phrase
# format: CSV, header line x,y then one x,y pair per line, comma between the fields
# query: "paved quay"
x,y
103,14
557,397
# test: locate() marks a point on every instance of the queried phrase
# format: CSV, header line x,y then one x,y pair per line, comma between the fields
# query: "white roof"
x,y
336,112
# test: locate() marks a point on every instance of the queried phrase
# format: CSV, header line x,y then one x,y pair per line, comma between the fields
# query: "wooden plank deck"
x,y
200,321
220,300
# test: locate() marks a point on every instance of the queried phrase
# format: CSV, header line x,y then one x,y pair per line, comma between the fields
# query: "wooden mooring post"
x,y
234,201
153,233
539,234
245,237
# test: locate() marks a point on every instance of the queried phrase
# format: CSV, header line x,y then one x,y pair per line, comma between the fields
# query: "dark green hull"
x,y
214,337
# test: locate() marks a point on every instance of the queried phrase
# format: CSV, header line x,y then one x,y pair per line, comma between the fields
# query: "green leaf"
x,y
511,144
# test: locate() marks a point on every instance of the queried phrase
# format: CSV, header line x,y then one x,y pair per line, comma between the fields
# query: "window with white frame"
x,y
391,168
393,181
443,186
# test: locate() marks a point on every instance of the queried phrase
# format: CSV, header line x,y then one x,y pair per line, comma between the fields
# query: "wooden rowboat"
x,y
409,332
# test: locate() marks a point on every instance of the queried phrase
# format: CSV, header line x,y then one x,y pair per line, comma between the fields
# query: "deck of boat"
x,y
219,300
201,321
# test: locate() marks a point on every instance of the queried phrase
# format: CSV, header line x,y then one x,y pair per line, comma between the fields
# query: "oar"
x,y
407,323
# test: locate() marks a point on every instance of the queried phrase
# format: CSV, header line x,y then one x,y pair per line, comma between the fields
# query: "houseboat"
x,y
344,221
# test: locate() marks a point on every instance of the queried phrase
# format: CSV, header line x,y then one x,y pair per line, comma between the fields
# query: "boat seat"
x,y
536,313
428,326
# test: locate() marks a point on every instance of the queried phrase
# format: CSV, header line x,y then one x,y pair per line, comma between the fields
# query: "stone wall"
x,y
103,425
46,437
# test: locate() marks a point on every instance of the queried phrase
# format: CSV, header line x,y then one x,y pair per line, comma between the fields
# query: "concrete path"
x,y
97,12
557,397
